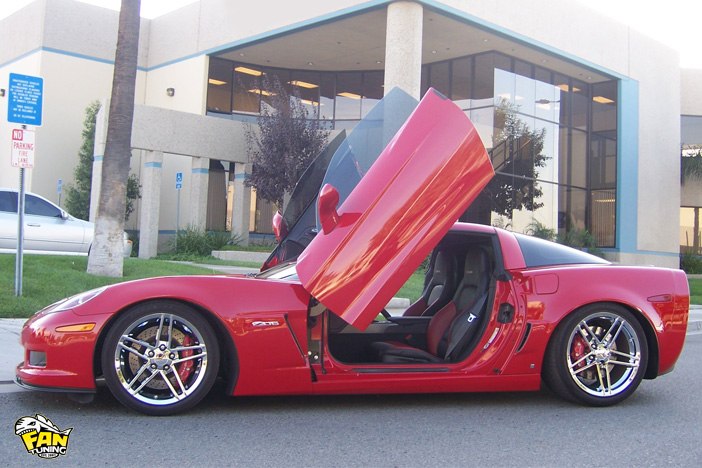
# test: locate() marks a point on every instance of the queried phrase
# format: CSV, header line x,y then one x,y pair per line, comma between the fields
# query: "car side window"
x,y
37,206
8,202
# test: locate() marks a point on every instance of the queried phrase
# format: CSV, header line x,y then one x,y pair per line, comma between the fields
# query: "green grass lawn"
x,y
48,278
413,287
695,290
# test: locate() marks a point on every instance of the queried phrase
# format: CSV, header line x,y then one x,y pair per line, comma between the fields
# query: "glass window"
x,y
578,159
348,95
306,86
219,86
484,84
425,80
539,252
8,202
547,211
572,205
372,91
326,98
37,206
525,87
546,155
483,120
270,77
504,89
579,105
603,162
690,232
439,77
546,97
604,108
461,80
691,130
246,88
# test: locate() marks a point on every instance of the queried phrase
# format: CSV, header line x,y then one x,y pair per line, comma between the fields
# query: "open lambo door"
x,y
371,239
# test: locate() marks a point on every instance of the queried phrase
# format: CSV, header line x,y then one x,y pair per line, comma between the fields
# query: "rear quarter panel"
x,y
658,297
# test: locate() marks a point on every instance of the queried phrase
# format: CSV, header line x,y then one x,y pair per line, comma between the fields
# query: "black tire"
x,y
597,355
160,358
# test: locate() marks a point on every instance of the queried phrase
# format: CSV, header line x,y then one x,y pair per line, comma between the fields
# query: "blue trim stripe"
x,y
201,171
98,158
627,166
153,164
241,176
67,53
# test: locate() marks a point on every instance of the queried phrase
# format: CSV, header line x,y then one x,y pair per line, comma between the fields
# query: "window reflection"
x,y
348,96
372,91
552,138
219,86
305,85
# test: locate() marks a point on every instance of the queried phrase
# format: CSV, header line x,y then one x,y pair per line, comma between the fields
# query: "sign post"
x,y
24,107
58,190
178,186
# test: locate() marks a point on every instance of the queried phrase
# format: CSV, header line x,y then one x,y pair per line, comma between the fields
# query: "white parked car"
x,y
47,228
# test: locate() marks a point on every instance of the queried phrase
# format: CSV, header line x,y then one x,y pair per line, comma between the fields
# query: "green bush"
x,y
540,230
580,239
690,263
193,241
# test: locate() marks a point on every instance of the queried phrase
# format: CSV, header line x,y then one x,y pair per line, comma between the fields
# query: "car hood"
x,y
374,234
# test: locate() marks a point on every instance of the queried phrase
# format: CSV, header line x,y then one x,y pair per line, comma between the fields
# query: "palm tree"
x,y
106,252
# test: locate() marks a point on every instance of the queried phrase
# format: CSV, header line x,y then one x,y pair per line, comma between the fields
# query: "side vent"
x,y
526,336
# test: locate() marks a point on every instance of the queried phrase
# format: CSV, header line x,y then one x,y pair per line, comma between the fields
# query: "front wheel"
x,y
160,358
597,356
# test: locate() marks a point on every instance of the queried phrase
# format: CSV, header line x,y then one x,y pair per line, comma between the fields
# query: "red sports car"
x,y
500,311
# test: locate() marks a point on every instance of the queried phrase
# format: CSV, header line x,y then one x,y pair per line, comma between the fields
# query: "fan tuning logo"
x,y
41,437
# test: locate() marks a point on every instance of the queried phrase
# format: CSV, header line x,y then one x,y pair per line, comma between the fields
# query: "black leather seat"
x,y
440,288
453,328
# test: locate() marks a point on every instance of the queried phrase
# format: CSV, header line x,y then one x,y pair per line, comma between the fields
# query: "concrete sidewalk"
x,y
11,353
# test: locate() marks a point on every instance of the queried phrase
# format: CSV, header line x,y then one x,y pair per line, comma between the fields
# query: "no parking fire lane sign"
x,y
22,148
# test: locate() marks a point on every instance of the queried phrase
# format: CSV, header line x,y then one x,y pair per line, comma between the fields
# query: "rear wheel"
x,y
597,355
160,358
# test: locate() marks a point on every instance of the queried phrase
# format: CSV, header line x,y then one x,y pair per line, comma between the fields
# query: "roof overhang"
x,y
355,40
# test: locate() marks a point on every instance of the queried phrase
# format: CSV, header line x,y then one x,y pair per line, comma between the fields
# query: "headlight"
x,y
75,301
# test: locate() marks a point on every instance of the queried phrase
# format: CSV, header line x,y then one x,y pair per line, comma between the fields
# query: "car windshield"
x,y
364,144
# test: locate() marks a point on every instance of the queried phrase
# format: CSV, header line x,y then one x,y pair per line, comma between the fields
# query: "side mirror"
x,y
64,215
280,227
326,207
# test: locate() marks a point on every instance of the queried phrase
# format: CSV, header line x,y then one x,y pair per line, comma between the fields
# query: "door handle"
x,y
33,224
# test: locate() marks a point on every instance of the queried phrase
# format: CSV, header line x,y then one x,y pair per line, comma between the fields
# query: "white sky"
x,y
675,23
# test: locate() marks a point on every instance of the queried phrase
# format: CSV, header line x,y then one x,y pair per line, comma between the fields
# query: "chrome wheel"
x,y
597,355
604,354
160,358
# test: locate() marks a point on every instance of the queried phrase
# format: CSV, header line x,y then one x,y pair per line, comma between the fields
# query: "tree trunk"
x,y
106,252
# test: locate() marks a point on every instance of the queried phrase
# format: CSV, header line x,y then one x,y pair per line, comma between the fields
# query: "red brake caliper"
x,y
578,351
186,368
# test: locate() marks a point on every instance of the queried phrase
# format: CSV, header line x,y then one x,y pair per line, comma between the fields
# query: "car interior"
x,y
444,325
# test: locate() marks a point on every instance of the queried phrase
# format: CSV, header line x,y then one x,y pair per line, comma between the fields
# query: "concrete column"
x,y
403,47
150,204
241,210
98,154
199,180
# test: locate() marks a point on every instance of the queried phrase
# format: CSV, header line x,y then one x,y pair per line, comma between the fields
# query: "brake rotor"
x,y
149,336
